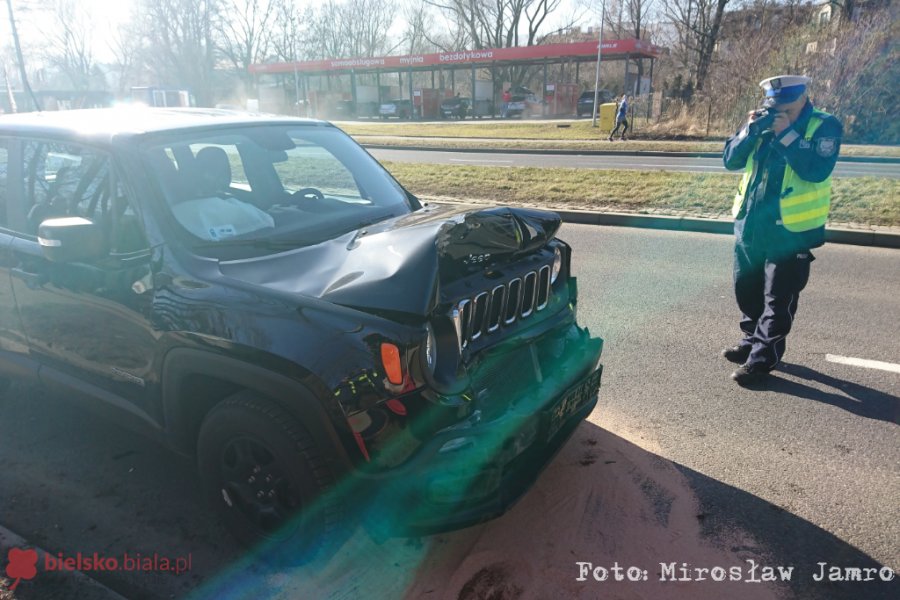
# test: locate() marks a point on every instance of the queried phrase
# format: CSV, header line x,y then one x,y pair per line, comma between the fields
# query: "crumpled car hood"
x,y
397,265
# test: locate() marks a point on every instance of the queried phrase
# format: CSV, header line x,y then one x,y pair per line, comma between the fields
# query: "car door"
x,y
87,323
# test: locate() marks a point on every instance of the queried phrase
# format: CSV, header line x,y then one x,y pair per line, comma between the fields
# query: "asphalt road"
x,y
810,464
584,161
805,470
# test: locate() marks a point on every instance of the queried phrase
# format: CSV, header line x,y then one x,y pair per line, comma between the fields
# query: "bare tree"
x,y
366,24
245,33
415,38
855,76
289,32
179,43
69,44
613,17
125,53
446,31
854,65
326,31
501,23
352,28
697,23
637,12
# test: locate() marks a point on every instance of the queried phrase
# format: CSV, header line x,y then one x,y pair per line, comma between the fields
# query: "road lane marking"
x,y
479,160
634,167
665,166
863,362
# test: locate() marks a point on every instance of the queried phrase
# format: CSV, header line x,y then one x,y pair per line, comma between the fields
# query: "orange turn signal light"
x,y
390,358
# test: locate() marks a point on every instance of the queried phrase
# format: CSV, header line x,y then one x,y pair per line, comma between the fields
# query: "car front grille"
x,y
489,310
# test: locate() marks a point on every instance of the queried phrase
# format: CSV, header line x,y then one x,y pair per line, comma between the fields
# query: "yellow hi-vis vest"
x,y
804,205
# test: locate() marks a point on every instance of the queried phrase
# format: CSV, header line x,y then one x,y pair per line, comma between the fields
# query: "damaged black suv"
x,y
261,293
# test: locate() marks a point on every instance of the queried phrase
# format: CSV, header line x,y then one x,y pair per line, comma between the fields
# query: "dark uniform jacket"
x,y
758,223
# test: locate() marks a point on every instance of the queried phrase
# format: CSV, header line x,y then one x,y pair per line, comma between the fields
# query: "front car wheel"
x,y
266,477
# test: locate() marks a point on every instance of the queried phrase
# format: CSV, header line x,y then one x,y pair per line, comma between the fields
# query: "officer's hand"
x,y
758,121
751,126
781,123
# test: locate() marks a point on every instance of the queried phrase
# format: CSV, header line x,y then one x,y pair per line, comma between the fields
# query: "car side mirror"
x,y
70,239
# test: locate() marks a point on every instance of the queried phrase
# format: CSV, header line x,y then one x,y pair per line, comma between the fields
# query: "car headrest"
x,y
213,171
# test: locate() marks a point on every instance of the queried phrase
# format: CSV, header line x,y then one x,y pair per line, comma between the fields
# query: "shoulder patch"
x,y
826,147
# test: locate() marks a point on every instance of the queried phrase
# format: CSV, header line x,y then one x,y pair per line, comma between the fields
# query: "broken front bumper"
x,y
475,470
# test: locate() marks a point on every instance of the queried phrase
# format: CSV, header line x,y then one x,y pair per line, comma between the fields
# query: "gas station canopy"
x,y
575,51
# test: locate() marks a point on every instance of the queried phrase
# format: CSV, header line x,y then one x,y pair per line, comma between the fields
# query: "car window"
x,y
287,184
70,180
63,180
4,170
312,166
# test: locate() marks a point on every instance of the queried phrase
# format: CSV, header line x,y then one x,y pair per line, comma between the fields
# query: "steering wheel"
x,y
308,193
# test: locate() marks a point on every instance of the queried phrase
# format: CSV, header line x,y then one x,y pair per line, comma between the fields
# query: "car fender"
x,y
180,364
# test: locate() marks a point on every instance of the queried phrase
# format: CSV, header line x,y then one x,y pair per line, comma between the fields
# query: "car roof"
x,y
104,124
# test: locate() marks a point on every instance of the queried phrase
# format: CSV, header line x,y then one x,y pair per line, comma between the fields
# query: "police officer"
x,y
787,151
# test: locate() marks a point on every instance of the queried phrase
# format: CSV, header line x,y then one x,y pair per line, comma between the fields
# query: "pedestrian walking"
x,y
504,108
787,150
621,118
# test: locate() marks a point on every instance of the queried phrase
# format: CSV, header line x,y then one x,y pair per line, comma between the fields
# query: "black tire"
x,y
246,436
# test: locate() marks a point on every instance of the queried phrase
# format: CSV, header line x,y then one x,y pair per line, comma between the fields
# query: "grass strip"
x,y
579,135
860,200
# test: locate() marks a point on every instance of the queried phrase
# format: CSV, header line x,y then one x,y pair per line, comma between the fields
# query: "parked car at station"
x,y
401,109
523,103
344,109
455,108
258,292
585,105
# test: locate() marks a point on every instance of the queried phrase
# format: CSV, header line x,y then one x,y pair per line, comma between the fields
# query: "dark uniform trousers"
x,y
767,291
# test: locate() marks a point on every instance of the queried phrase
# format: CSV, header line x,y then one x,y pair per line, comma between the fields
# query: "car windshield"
x,y
262,188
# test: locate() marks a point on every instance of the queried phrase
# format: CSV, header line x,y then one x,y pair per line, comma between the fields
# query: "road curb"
x,y
561,152
55,585
835,235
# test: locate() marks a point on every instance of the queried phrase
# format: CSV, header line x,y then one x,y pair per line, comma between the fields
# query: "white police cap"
x,y
784,88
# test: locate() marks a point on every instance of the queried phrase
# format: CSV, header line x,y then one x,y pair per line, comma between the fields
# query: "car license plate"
x,y
574,399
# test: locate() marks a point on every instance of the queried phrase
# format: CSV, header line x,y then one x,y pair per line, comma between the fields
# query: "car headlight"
x,y
557,265
439,358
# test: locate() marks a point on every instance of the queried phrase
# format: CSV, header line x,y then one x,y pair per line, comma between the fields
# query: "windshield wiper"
x,y
360,230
